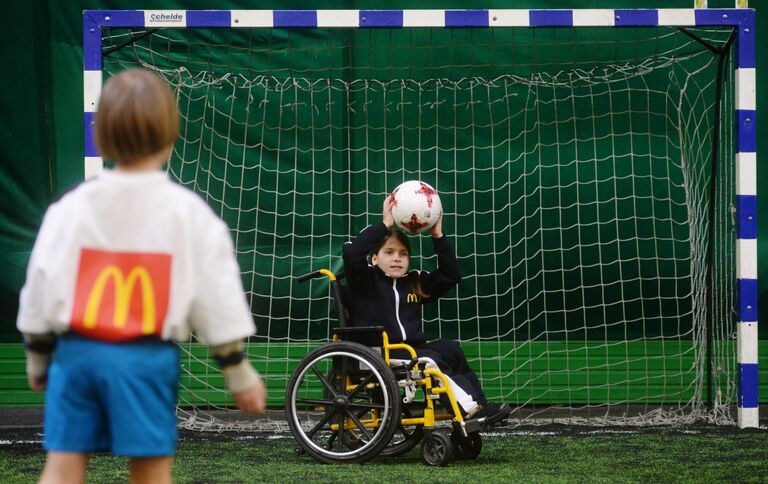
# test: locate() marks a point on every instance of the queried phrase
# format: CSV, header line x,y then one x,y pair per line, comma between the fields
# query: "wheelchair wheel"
x,y
342,403
466,447
436,449
405,438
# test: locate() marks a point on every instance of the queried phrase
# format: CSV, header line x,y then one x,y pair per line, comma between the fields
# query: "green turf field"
x,y
536,454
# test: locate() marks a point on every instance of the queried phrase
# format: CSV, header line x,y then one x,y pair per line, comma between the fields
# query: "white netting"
x,y
574,169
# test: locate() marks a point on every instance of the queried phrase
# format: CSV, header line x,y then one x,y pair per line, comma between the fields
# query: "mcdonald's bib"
x,y
121,296
127,255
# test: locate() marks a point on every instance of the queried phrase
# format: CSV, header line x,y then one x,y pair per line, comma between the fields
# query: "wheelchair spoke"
x,y
320,424
314,401
361,385
331,440
325,381
344,373
340,431
367,405
360,425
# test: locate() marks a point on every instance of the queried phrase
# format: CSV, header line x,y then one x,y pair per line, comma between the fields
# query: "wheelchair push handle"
x,y
336,291
319,273
308,276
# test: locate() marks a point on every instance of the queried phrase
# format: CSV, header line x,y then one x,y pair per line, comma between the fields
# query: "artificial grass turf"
x,y
540,454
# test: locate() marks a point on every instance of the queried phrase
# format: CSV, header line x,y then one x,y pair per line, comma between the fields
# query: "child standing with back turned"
x,y
385,293
123,267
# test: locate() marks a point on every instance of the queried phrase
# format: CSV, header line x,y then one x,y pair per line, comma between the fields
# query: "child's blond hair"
x,y
137,117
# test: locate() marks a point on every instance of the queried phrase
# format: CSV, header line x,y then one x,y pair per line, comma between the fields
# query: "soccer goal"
x,y
596,167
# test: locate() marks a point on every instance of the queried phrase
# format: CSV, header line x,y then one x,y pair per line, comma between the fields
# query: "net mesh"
x,y
575,171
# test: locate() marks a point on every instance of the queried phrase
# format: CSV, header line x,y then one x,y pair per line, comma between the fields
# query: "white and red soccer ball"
x,y
416,206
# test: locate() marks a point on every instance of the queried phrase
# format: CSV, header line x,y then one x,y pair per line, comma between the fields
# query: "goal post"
x,y
597,170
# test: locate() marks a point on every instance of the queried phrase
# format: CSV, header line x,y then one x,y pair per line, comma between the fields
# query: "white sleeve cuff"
x,y
240,377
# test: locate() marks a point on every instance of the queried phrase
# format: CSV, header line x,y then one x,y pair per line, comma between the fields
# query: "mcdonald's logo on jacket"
x,y
121,296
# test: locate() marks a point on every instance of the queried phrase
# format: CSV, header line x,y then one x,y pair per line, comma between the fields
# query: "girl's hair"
x,y
137,117
400,236
413,277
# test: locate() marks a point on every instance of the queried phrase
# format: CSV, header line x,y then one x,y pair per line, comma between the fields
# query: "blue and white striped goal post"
x,y
746,107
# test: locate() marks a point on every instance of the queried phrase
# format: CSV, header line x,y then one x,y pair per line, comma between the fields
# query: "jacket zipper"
x,y
397,307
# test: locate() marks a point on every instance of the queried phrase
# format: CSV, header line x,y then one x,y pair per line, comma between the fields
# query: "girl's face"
x,y
392,258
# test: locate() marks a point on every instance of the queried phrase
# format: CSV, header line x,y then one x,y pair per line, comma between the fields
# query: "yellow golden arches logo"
x,y
123,294
412,297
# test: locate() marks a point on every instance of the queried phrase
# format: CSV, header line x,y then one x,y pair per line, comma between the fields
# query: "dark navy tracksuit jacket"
x,y
375,299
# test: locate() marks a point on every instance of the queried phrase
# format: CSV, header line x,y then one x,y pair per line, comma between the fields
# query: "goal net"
x,y
575,168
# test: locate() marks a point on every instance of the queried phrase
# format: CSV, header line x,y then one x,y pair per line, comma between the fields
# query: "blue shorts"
x,y
114,397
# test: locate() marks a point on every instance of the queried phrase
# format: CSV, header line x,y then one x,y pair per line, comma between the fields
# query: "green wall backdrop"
x,y
41,142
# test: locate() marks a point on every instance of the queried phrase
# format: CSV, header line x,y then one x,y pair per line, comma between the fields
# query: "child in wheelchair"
x,y
384,292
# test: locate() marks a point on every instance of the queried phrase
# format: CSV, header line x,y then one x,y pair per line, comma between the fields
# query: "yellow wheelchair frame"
x,y
347,402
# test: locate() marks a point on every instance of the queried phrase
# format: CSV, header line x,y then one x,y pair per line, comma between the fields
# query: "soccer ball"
x,y
416,206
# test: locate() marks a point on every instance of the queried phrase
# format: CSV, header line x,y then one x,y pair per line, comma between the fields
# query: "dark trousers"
x,y
449,357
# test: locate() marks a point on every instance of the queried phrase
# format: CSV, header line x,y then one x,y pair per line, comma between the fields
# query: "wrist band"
x,y
40,346
231,359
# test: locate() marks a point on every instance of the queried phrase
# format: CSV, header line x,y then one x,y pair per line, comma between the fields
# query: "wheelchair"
x,y
348,401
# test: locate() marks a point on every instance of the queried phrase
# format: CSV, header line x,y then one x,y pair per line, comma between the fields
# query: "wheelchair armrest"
x,y
404,368
401,371
365,335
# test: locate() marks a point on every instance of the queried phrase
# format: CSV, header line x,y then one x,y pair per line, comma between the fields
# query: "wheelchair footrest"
x,y
471,426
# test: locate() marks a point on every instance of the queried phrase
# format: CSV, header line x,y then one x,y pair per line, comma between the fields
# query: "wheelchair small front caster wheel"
x,y
298,451
436,449
466,447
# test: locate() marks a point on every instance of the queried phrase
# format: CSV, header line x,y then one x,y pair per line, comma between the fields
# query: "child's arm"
x,y
355,252
31,321
38,349
221,316
448,273
242,380
437,230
